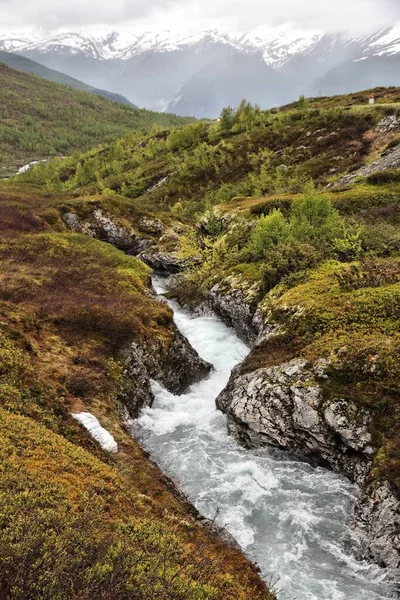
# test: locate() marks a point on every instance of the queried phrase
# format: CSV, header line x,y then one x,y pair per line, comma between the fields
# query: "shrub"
x,y
287,259
370,273
269,231
381,238
314,220
349,247
382,177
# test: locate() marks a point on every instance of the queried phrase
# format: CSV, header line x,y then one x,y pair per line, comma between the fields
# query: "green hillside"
x,y
40,118
256,185
245,206
26,65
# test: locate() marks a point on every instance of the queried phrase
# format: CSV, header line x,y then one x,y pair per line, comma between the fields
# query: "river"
x,y
289,518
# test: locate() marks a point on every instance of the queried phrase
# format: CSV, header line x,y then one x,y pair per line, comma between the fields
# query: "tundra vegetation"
x,y
249,196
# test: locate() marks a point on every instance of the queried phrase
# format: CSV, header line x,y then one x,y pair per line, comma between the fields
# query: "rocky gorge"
x,y
283,406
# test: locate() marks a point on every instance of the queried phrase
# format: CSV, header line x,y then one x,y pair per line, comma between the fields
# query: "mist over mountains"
x,y
199,74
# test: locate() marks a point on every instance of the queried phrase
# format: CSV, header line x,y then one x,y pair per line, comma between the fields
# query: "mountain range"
x,y
199,74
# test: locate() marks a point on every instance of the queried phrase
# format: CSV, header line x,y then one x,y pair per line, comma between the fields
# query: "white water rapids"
x,y
290,518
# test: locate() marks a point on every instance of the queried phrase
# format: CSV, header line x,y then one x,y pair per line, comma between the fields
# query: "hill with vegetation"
x,y
40,118
77,521
26,65
293,216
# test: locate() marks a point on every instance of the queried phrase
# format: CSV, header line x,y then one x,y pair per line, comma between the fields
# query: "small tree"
x,y
270,230
314,219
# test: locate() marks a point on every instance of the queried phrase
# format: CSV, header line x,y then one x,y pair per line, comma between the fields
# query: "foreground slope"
x,y
40,118
300,255
81,332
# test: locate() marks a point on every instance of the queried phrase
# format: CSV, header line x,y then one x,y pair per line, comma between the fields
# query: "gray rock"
x,y
387,124
176,370
284,407
151,226
104,228
169,262
237,307
377,524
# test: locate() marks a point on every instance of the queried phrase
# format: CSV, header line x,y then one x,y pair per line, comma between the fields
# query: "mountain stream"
x,y
289,518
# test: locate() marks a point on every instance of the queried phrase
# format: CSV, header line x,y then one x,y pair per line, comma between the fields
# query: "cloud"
x,y
331,15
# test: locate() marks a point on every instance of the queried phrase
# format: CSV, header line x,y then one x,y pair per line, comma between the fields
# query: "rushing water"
x,y
290,518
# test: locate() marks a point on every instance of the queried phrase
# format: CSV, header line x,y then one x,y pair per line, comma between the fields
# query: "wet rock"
x,y
235,302
176,369
284,407
377,524
182,366
169,262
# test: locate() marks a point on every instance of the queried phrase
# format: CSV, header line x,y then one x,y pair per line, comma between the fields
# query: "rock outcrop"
x,y
169,262
236,304
104,228
176,368
284,407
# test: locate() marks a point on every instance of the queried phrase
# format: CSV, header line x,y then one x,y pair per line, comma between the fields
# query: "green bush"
x,y
370,273
381,238
269,231
314,220
383,177
285,260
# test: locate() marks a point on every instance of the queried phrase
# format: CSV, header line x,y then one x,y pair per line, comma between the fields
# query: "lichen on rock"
x,y
284,406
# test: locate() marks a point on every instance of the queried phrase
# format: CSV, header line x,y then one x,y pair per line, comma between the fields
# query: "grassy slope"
x,y
87,524
259,155
40,118
264,160
26,65
210,163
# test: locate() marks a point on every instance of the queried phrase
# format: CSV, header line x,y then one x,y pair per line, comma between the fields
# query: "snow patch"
x,y
101,435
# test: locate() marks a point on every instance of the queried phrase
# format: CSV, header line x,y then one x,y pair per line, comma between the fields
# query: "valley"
x,y
261,376
198,73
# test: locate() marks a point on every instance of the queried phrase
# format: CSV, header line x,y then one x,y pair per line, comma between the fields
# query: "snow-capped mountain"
x,y
277,44
269,65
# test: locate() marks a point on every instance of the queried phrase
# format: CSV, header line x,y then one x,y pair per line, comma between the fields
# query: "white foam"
x,y
101,435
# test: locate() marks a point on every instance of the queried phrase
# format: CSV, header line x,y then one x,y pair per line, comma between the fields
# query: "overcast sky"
x,y
195,15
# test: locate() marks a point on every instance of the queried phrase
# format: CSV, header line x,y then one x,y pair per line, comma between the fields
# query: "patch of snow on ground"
x,y
101,435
